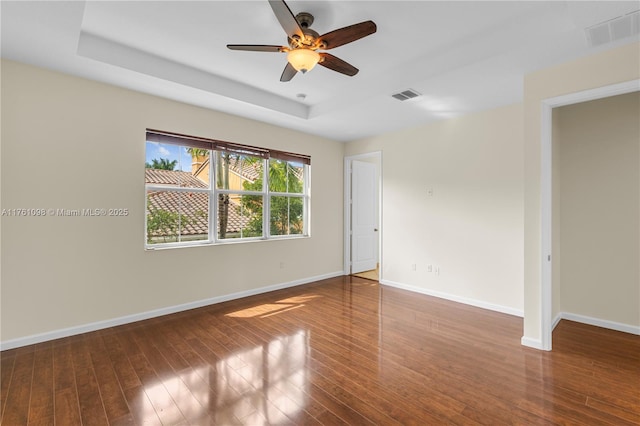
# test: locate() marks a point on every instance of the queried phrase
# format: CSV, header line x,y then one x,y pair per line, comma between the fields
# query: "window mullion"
x,y
151,187
213,222
266,201
287,194
180,209
213,215
238,191
306,212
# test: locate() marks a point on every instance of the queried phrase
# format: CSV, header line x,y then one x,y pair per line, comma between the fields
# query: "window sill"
x,y
171,246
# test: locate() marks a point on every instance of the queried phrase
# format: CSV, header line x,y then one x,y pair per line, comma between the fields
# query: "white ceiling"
x,y
462,56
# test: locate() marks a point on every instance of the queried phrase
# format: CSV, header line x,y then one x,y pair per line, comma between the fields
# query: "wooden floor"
x,y
340,351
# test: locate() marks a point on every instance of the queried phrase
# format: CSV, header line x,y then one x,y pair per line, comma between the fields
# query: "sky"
x,y
171,152
174,152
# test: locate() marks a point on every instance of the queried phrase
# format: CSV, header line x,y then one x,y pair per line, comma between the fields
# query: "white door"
x,y
364,237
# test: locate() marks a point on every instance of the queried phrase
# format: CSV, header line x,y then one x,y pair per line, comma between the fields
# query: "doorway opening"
x,y
547,320
362,201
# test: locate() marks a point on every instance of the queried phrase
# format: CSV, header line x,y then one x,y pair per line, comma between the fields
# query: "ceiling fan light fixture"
x,y
303,60
303,42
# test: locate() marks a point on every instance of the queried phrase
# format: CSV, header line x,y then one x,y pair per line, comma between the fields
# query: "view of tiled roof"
x,y
194,205
173,177
252,171
246,169
249,170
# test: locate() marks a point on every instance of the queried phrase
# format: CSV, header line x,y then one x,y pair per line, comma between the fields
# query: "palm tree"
x,y
222,178
286,212
162,164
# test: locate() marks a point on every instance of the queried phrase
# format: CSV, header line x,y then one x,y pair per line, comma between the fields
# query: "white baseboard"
x,y
454,298
612,325
532,343
99,325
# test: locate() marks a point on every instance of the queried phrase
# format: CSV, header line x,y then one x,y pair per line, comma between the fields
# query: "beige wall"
x,y
599,223
83,143
472,226
602,69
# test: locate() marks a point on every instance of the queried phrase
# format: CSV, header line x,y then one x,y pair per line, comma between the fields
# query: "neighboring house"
x,y
240,171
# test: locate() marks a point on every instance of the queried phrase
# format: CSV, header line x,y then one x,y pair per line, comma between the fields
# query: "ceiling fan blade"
x,y
286,18
288,73
348,34
337,64
255,47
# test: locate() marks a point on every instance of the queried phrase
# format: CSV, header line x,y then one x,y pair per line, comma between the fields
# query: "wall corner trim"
x,y
532,343
99,325
556,320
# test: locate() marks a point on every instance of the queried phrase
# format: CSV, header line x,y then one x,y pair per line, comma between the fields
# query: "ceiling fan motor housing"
x,y
305,19
311,37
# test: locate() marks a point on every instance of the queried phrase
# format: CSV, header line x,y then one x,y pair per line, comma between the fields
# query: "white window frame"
x,y
306,202
214,193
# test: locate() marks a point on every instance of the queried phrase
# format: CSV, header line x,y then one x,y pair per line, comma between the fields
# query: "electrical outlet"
x,y
437,270
429,192
429,268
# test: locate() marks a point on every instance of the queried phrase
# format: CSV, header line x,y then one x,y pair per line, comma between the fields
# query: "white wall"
x,y
472,226
73,143
599,202
613,66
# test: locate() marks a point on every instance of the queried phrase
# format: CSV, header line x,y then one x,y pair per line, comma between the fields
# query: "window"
x,y
203,191
286,197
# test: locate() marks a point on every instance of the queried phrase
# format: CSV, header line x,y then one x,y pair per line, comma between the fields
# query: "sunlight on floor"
x,y
268,309
264,384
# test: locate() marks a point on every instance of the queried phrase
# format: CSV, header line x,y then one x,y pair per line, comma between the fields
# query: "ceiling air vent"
x,y
407,94
615,29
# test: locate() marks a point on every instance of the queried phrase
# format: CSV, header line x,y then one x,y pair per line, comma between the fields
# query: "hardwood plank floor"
x,y
340,351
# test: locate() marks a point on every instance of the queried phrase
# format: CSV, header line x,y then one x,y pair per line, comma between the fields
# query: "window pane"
x,y
238,172
286,176
175,165
239,216
177,216
286,215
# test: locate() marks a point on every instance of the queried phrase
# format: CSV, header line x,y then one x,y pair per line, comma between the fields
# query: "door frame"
x,y
547,323
377,155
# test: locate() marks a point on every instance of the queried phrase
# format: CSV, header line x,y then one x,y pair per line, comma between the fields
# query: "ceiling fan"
x,y
304,43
